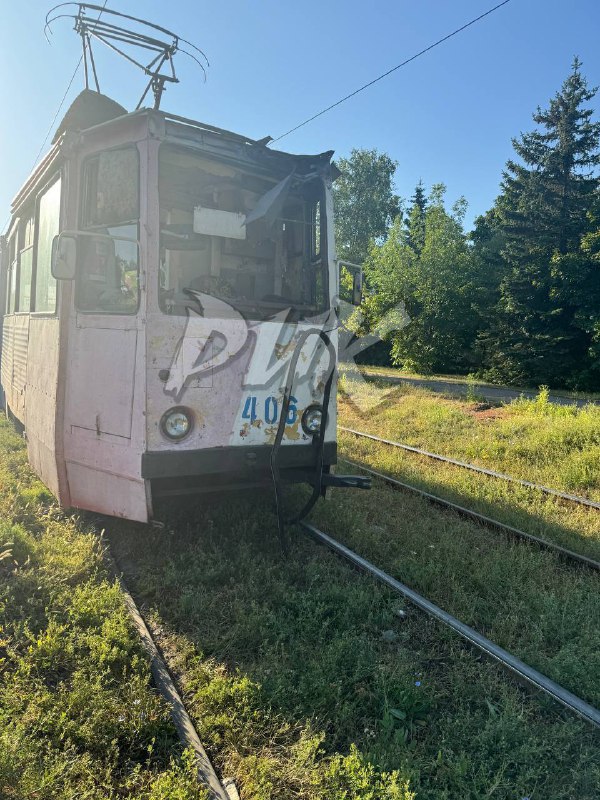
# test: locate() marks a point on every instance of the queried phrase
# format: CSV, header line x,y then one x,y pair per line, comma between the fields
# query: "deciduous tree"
x,y
436,285
365,202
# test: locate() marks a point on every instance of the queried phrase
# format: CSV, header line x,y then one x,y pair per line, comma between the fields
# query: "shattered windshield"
x,y
258,244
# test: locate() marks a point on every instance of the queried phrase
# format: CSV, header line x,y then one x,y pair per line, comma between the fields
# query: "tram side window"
x,y
108,275
48,227
26,236
11,289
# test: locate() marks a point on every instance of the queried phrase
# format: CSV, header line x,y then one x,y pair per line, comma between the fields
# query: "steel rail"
x,y
489,472
563,552
530,675
166,686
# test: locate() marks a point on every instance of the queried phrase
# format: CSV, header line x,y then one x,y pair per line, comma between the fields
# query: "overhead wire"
x,y
393,69
314,116
58,110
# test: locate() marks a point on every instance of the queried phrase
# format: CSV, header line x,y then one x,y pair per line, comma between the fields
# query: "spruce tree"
x,y
544,213
415,219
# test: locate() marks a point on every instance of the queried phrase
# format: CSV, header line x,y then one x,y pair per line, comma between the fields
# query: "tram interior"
x,y
272,262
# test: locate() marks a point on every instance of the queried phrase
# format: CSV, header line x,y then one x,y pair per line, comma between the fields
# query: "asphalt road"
x,y
495,394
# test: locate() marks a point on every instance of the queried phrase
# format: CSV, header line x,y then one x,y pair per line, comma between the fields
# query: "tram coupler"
x,y
346,481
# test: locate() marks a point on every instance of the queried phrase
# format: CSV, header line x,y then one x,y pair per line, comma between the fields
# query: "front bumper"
x,y
239,460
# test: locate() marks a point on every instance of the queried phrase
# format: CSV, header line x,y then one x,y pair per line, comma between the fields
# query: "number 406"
x,y
271,410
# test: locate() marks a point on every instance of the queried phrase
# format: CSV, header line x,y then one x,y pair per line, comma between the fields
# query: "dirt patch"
x,y
486,412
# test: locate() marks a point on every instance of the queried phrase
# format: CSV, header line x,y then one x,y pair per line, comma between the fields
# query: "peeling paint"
x,y
281,351
292,432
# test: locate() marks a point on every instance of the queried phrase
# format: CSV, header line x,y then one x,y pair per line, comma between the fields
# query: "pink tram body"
x,y
163,282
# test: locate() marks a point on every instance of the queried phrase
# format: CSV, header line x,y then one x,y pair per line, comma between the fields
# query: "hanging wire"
x,y
393,69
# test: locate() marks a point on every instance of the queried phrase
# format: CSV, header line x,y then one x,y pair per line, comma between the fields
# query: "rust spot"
x,y
282,350
292,432
270,433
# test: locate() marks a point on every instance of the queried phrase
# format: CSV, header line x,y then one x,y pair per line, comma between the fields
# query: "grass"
x,y
78,716
558,446
310,681
306,680
255,643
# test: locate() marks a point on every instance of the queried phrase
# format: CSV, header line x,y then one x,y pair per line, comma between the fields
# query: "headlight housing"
x,y
312,420
176,423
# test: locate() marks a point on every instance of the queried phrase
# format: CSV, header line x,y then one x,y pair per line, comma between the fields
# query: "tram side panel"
x,y
6,364
19,345
40,392
3,303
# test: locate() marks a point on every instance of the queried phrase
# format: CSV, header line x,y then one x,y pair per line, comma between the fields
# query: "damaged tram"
x,y
169,321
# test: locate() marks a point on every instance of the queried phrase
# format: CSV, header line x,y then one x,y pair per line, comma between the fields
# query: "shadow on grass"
x,y
306,642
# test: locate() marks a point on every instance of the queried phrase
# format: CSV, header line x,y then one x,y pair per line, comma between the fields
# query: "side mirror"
x,y
357,288
64,257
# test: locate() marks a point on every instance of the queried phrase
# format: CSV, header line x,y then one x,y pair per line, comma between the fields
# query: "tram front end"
x,y
242,336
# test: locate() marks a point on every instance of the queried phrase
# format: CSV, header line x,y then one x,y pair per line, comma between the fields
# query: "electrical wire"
x,y
393,69
58,110
51,128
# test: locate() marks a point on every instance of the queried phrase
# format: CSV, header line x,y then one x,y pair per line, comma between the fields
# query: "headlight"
x,y
176,423
312,419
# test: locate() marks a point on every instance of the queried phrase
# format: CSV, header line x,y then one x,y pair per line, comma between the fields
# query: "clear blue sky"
x,y
447,117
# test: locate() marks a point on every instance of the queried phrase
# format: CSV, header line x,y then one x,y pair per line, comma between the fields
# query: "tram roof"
x,y
91,111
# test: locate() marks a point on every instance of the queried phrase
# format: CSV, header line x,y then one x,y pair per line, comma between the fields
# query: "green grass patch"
x,y
558,446
306,680
78,716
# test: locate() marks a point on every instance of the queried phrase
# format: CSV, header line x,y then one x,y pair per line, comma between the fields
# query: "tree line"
x,y
515,300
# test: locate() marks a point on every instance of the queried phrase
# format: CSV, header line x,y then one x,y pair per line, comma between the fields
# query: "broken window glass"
x,y
248,240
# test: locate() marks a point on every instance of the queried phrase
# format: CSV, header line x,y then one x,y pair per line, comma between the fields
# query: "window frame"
x,y
24,220
84,227
12,268
58,176
316,260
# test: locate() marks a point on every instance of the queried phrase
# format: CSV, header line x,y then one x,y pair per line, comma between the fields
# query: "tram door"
x,y
105,383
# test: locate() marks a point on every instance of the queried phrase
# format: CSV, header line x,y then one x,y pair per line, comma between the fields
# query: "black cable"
x,y
282,521
393,69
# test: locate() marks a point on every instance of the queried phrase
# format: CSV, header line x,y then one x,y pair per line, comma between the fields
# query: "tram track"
x,y
164,682
582,501
439,647
512,663
567,555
